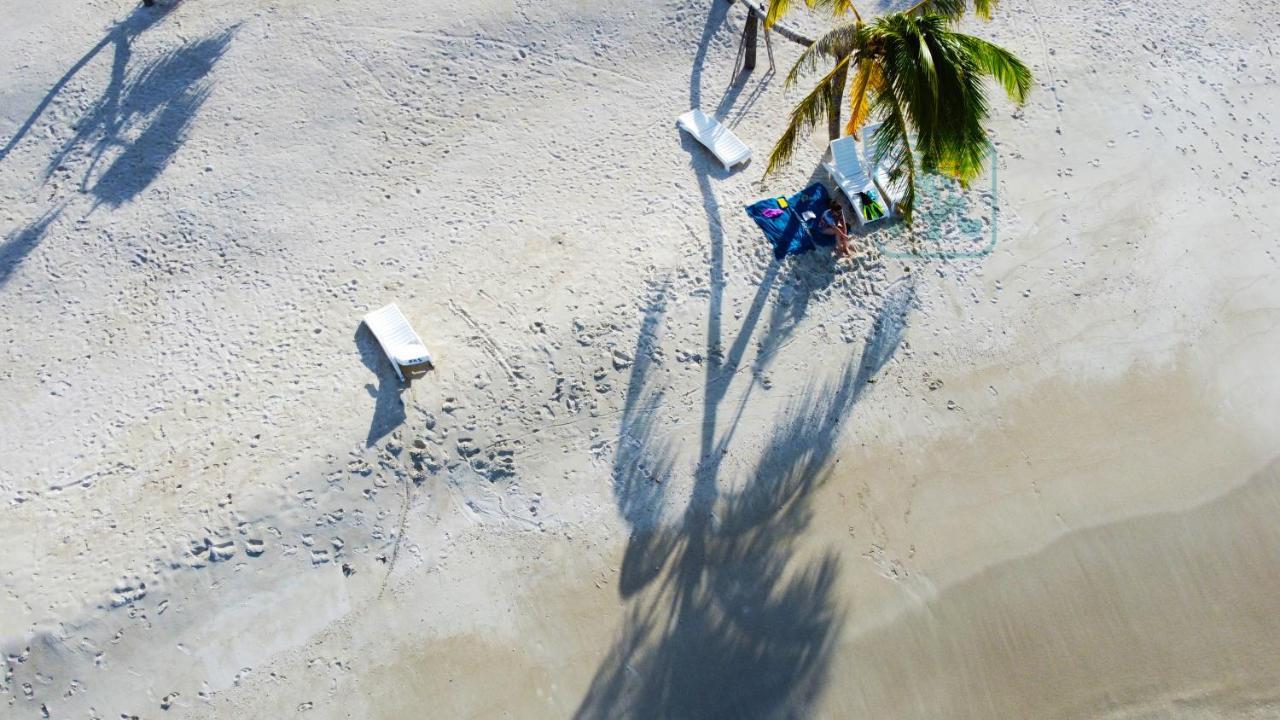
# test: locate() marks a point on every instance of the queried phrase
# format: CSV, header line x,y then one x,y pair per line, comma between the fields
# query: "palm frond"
x,y
927,67
777,8
953,9
891,146
926,82
837,7
811,110
837,43
1008,70
866,81
950,9
943,100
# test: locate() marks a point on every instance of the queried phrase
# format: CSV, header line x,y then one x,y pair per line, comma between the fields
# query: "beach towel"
x,y
791,223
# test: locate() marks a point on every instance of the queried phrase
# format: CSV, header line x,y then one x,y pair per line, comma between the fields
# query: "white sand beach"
x,y
655,473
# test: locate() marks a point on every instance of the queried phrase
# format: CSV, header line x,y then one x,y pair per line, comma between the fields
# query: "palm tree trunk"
x,y
749,39
755,8
834,126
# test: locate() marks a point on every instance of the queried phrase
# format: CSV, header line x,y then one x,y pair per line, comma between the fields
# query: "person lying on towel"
x,y
832,223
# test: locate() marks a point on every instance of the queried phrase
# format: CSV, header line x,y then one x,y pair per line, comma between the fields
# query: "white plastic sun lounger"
x,y
398,340
719,139
848,172
892,191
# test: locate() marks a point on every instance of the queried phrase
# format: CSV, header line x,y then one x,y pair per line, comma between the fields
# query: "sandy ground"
x,y
656,474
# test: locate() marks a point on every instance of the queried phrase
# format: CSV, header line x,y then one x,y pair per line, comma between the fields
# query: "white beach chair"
x,y
849,174
891,191
719,139
398,340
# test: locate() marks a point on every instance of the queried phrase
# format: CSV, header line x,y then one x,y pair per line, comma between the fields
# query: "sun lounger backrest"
x,y
717,138
893,191
844,155
868,134
397,337
849,173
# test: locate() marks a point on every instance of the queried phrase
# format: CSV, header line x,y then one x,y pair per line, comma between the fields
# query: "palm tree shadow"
x,y
716,376
388,407
785,315
19,243
736,88
639,481
643,456
887,330
725,619
715,18
170,91
732,622
156,105
120,37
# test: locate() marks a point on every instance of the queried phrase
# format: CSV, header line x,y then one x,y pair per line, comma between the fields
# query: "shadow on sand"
x,y
19,243
120,39
144,117
388,407
737,626
725,618
144,114
163,99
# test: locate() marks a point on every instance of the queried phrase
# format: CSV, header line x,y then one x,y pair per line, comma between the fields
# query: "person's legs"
x,y
841,229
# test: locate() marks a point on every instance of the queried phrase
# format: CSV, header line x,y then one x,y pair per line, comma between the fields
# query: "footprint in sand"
x,y
127,592
254,547
222,550
197,554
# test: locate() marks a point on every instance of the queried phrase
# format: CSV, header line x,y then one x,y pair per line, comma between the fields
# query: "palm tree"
x,y
950,8
920,78
837,8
